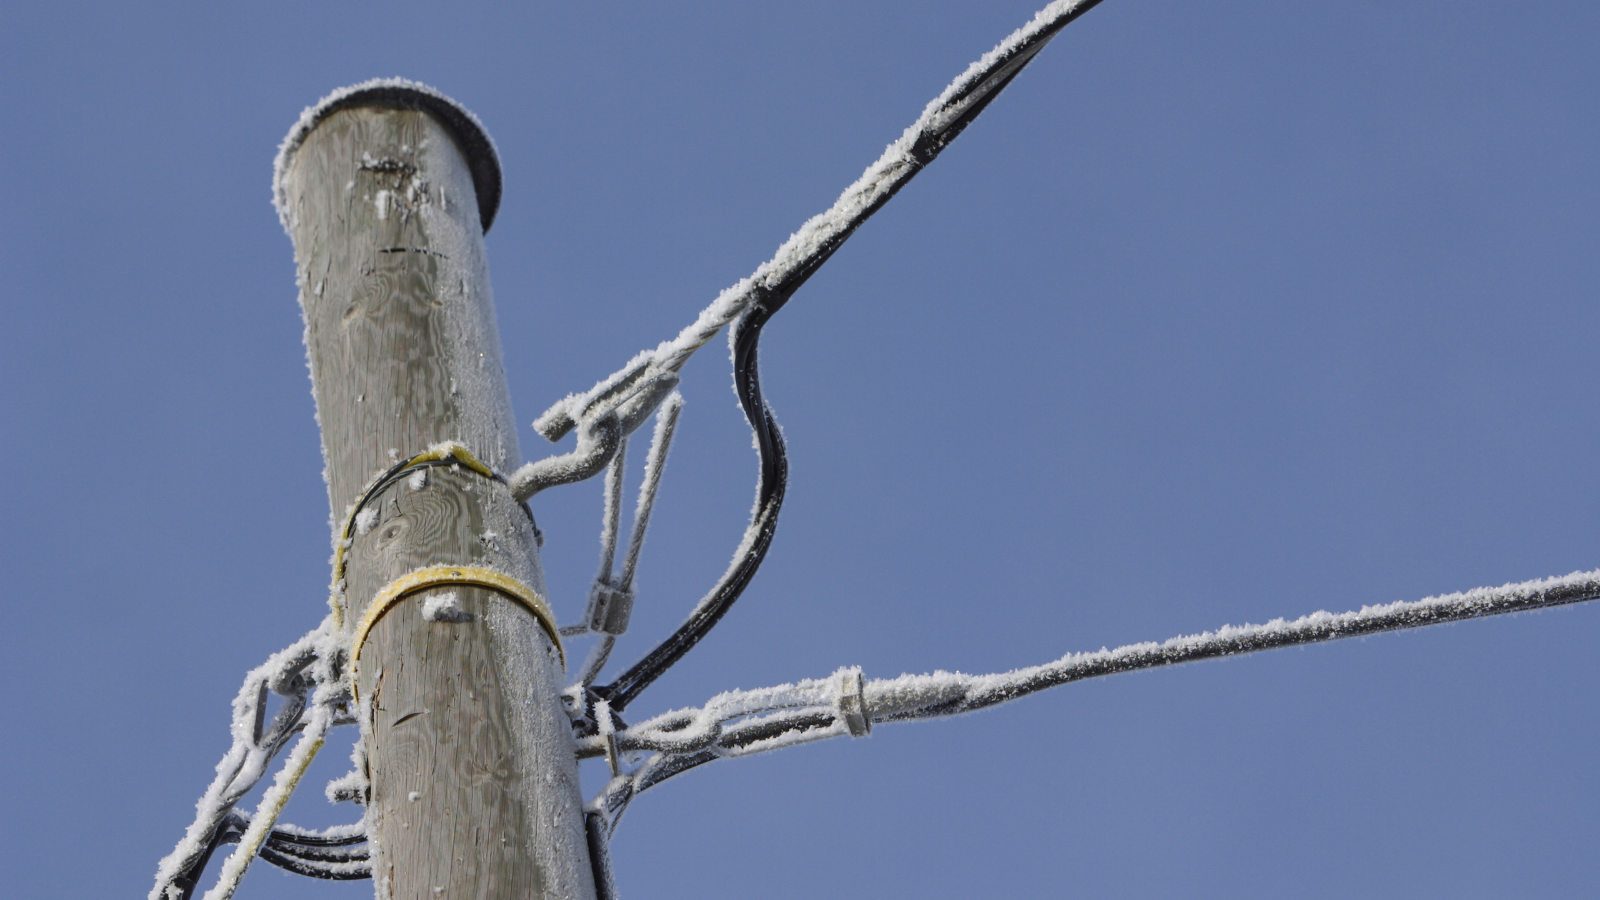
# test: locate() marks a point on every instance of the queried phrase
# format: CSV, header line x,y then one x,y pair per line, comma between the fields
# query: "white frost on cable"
x,y
351,787
952,693
655,462
735,723
740,723
255,743
275,798
825,230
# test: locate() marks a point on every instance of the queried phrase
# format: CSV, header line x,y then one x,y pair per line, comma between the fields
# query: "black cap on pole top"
x,y
400,93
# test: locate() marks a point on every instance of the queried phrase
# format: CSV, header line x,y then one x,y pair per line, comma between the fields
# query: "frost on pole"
x,y
482,158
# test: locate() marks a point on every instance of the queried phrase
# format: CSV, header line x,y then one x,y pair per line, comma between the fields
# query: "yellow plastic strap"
x,y
465,576
439,452
462,455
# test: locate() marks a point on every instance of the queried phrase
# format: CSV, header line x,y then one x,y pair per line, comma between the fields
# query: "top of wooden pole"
x,y
400,93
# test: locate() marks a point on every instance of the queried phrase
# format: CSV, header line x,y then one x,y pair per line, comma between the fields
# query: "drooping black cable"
x,y
314,855
327,869
974,93
774,479
316,846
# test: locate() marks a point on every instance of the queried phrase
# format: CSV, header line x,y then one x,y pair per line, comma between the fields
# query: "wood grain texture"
x,y
474,785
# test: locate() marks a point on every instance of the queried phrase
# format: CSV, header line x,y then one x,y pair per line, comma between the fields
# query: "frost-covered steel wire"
x,y
603,420
740,723
655,463
612,515
950,693
736,723
602,594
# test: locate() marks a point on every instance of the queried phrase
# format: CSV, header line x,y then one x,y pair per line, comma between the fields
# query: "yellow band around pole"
x,y
463,576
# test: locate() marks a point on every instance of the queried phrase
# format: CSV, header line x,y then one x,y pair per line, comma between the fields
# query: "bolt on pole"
x,y
386,190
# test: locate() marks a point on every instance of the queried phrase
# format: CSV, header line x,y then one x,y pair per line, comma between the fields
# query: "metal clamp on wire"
x,y
609,609
852,703
606,417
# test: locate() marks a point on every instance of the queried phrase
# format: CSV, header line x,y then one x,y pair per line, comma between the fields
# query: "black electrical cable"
x,y
774,479
316,846
327,869
746,736
228,832
405,468
305,854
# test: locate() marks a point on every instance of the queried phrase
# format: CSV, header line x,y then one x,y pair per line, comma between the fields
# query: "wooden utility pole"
x,y
387,190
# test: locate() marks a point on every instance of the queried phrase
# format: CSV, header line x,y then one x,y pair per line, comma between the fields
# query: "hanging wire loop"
x,y
770,488
752,301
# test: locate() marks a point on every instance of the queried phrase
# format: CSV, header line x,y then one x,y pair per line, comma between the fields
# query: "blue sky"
x,y
1223,312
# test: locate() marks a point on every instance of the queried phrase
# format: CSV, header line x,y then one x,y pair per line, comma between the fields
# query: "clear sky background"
x,y
1225,311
